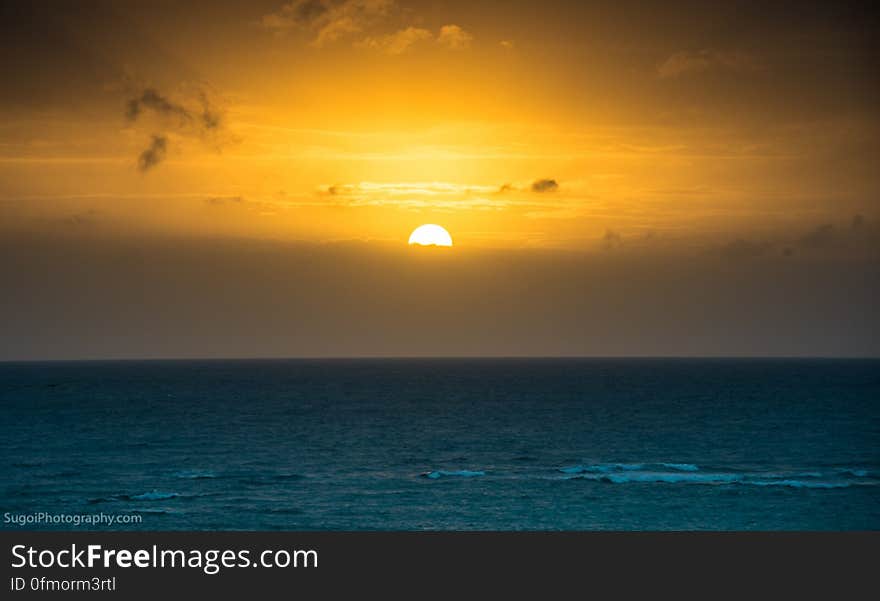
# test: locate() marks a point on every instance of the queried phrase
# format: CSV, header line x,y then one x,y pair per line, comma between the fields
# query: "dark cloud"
x,y
294,299
153,154
211,117
202,119
153,100
611,240
544,185
821,237
329,20
207,117
859,234
298,13
826,238
306,11
82,218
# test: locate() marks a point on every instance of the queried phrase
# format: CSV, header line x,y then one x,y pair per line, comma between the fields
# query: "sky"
x,y
239,179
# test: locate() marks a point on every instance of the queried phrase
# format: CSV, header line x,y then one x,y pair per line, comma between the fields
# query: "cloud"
x,y
206,117
544,185
153,100
821,239
825,238
692,63
328,20
539,185
211,116
451,37
332,20
822,236
154,153
418,196
299,13
507,44
611,240
454,37
405,189
87,217
397,42
198,117
828,236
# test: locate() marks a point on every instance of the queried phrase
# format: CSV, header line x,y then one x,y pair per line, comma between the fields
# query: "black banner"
x,y
143,564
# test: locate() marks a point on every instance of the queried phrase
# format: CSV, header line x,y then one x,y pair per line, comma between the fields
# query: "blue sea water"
x,y
451,444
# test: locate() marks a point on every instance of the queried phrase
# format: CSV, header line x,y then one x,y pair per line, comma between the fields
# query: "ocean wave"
x,y
667,478
195,474
607,468
854,471
806,483
152,496
684,467
434,475
691,474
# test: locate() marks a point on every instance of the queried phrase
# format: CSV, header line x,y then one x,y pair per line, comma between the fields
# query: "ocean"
x,y
444,444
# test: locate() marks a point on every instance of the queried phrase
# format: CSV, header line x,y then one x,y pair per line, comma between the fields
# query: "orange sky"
x,y
615,133
360,119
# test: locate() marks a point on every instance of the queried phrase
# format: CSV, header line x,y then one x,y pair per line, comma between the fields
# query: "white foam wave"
x,y
607,468
684,467
691,474
434,475
154,496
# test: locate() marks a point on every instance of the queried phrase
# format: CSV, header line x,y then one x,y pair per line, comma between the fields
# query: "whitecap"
x,y
671,478
433,475
684,467
154,496
801,483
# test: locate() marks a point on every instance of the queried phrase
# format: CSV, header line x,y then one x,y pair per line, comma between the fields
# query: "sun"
x,y
430,235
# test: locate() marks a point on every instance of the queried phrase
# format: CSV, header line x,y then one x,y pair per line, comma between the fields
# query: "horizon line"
x,y
439,358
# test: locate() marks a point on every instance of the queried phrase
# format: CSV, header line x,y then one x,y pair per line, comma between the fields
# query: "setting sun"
x,y
430,235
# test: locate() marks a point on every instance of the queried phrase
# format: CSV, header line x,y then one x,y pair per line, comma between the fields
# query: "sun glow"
x,y
430,235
